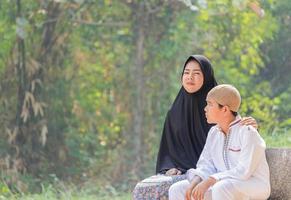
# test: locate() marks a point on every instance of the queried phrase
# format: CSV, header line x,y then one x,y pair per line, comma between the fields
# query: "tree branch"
x,y
109,24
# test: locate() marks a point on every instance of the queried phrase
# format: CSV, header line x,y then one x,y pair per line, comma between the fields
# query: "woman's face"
x,y
192,79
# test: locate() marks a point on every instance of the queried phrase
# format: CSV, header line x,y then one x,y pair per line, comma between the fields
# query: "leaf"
x,y
24,114
11,135
255,6
34,82
189,4
37,109
28,98
240,4
43,135
32,67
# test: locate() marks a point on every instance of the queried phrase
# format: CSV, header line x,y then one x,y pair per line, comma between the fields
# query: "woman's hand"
x,y
249,121
173,171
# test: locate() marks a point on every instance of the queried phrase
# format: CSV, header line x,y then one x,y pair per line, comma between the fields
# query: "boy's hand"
x,y
173,171
200,190
196,180
189,193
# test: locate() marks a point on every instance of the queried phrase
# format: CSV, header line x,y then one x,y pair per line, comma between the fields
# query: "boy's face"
x,y
212,111
192,79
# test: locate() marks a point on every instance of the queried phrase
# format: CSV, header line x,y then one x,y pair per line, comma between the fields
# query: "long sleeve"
x,y
252,151
205,165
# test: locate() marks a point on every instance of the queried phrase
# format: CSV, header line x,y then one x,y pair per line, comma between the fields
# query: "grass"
x,y
64,196
282,140
68,193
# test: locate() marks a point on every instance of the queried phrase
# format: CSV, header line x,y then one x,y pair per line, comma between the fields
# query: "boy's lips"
x,y
190,83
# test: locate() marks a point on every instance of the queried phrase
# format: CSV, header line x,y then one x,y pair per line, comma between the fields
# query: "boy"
x,y
232,165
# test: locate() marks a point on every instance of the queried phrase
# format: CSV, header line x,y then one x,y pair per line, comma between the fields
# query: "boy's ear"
x,y
226,108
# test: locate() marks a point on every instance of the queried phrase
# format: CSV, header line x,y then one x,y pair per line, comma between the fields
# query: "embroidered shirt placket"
x,y
225,150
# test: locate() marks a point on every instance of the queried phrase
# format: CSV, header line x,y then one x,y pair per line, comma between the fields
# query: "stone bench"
x,y
279,159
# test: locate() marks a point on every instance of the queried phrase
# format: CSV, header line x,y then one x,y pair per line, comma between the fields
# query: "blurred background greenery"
x,y
86,84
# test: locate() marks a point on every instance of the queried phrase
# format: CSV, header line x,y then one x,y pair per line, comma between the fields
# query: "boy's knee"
x,y
177,191
223,190
173,191
218,187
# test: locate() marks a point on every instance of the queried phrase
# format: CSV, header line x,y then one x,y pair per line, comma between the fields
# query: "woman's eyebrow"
x,y
198,70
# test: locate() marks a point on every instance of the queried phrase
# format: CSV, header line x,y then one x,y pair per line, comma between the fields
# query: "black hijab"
x,y
186,128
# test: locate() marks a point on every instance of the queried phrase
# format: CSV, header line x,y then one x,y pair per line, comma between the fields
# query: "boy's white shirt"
x,y
245,154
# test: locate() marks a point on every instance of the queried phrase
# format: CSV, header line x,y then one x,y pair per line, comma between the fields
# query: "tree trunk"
x,y
17,132
28,135
140,22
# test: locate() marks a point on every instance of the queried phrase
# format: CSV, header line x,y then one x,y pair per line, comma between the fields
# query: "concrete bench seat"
x,y
279,159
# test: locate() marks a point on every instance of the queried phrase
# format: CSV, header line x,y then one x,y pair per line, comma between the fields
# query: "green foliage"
x,y
6,33
233,44
65,192
103,64
277,61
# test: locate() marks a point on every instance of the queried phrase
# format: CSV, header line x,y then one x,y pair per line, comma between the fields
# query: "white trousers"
x,y
222,190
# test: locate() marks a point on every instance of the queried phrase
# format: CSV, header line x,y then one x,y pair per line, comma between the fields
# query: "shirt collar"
x,y
236,121
232,124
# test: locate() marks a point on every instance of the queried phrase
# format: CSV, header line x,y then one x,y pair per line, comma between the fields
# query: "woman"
x,y
186,128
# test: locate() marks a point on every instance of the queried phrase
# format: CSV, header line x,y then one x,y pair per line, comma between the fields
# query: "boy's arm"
x,y
253,150
205,166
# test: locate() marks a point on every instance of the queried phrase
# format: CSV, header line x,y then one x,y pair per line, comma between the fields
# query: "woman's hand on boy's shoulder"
x,y
249,121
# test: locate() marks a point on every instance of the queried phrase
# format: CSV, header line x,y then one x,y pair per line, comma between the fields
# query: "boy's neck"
x,y
225,124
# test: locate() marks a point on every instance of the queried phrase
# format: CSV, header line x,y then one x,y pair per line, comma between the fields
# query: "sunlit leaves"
x,y
86,77
231,35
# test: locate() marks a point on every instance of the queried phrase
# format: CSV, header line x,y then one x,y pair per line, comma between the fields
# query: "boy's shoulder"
x,y
247,132
213,131
245,128
239,129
